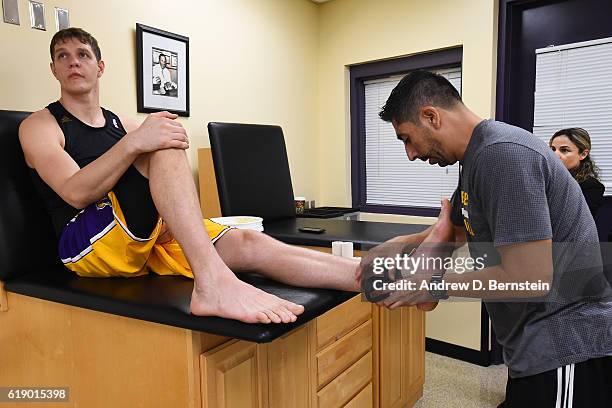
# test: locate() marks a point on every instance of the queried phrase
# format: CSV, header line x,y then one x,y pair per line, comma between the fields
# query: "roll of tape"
x,y
337,248
347,249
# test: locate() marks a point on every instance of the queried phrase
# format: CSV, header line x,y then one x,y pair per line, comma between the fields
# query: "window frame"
x,y
360,73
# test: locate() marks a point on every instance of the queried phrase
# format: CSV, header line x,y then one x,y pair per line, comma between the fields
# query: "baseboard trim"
x,y
481,358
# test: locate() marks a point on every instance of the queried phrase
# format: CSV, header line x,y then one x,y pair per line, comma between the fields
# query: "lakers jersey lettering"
x,y
466,216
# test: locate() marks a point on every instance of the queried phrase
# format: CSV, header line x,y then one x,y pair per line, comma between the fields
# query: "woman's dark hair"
x,y
582,140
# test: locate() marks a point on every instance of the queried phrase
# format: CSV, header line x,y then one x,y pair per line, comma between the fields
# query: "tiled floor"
x,y
451,383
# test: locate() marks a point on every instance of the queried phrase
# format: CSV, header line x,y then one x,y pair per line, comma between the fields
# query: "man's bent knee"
x,y
143,162
245,241
168,154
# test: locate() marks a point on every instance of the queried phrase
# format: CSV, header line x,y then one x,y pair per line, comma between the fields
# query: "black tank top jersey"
x,y
84,144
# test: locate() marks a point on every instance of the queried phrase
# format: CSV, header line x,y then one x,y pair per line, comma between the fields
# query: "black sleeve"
x,y
456,217
593,192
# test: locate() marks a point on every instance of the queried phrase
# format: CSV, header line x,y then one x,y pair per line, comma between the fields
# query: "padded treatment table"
x,y
132,342
165,300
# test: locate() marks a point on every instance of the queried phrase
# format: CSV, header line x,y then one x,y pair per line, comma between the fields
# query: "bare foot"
x,y
443,230
231,298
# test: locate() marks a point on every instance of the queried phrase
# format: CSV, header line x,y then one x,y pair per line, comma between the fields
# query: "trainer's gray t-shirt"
x,y
514,189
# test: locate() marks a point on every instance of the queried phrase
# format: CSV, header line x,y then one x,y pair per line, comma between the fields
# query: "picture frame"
x,y
162,66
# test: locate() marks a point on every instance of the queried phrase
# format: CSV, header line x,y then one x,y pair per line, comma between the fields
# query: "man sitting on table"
x,y
108,181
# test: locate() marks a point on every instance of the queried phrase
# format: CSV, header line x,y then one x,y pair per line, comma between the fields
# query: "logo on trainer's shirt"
x,y
65,119
465,199
115,123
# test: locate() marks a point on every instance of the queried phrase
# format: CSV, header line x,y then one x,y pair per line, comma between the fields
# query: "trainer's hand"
x,y
159,131
427,306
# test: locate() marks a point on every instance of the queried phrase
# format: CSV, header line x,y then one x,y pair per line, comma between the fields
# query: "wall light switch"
x,y
37,15
10,11
62,19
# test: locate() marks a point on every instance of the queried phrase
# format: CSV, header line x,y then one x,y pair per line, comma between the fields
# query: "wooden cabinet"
x,y
401,356
334,359
234,375
343,358
288,370
326,363
363,399
356,355
340,320
347,385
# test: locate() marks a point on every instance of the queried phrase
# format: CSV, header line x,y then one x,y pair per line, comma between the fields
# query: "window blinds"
x,y
391,179
574,89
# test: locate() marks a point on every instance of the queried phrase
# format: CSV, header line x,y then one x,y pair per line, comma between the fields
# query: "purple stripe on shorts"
x,y
78,233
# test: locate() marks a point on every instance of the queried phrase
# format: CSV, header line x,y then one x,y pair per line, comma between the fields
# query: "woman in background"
x,y
573,147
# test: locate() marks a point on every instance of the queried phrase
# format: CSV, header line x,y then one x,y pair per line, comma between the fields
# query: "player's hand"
x,y
159,131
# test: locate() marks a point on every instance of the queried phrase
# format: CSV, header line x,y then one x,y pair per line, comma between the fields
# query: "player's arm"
x,y
41,141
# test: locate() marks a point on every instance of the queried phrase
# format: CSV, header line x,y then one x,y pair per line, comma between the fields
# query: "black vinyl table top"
x,y
165,299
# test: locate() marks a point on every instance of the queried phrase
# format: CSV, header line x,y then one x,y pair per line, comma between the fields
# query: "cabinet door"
x,y
234,376
413,377
288,372
401,356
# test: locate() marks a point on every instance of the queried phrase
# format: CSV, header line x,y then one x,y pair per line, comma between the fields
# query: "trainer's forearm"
x,y
416,238
93,181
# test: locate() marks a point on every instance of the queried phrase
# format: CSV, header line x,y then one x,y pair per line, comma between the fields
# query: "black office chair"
x,y
603,221
252,170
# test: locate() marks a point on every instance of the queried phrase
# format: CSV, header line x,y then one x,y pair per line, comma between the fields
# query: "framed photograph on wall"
x,y
162,61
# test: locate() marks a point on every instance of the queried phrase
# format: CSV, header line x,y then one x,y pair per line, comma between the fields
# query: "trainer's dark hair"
x,y
415,90
78,33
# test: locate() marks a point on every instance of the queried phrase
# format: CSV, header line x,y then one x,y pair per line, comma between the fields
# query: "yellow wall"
x,y
252,61
263,61
357,31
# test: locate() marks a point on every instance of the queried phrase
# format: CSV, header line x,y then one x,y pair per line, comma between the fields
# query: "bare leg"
x,y
245,250
217,291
